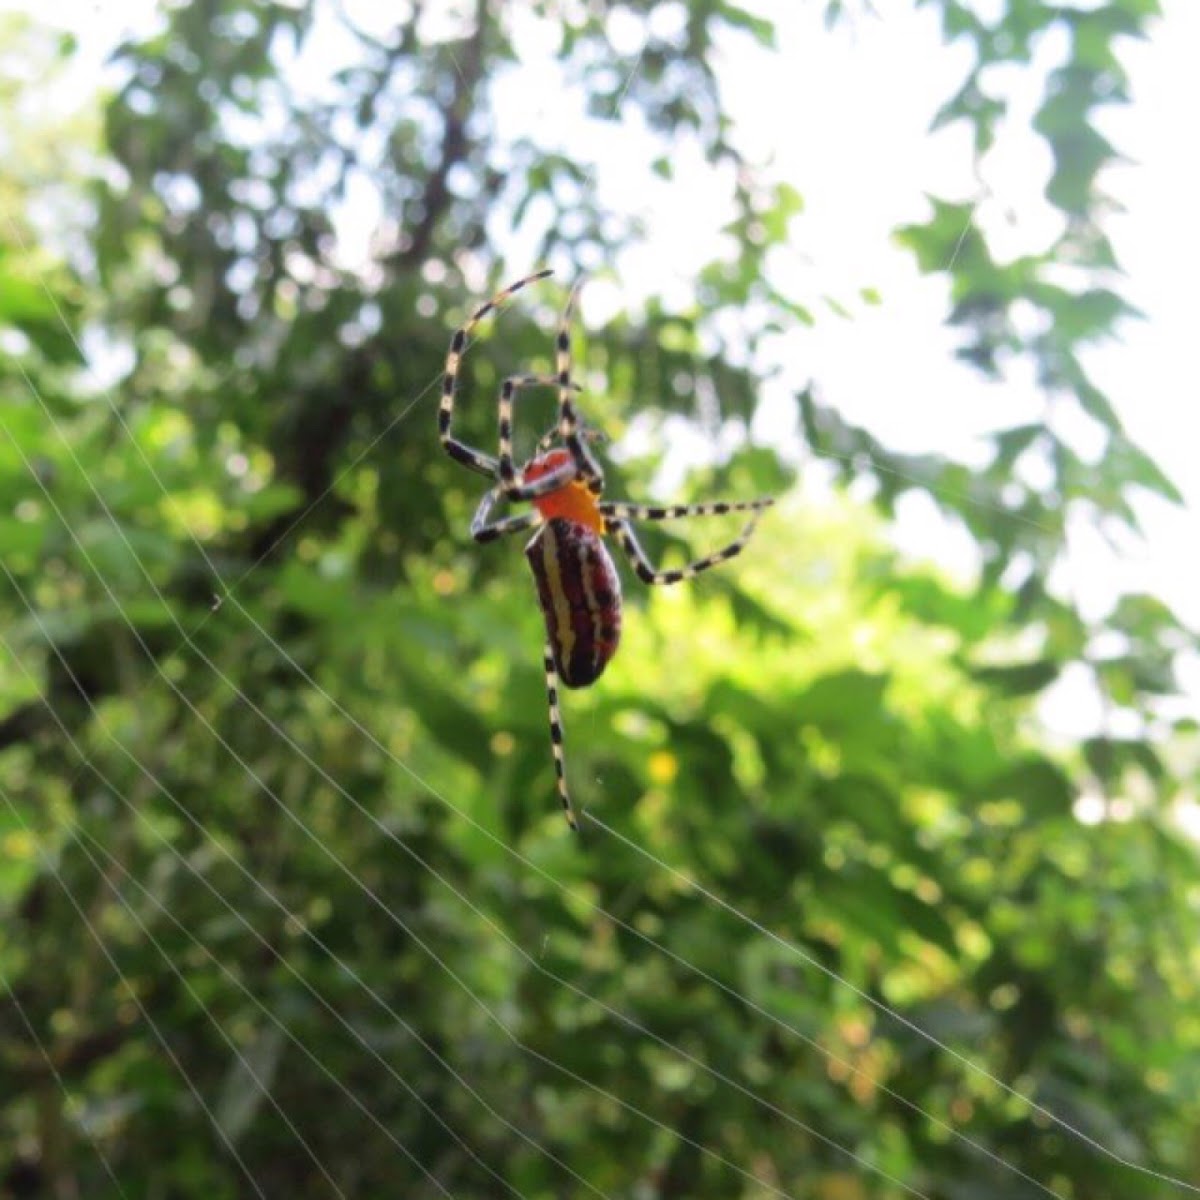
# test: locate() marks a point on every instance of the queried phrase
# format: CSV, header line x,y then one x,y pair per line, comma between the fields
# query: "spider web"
x,y
107,865
87,839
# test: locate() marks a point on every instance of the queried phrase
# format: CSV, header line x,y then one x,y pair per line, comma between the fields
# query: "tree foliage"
x,y
277,832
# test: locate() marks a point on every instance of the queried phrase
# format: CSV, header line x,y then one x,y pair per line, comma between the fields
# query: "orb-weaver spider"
x,y
577,584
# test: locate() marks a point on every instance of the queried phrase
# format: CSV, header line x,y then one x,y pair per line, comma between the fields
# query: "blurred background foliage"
x,y
272,727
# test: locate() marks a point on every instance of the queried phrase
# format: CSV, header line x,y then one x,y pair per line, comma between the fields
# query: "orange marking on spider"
x,y
574,501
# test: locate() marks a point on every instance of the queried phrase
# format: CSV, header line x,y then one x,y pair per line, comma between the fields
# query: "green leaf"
x,y
759,28
1129,462
949,239
840,697
1109,758
1018,679
1037,783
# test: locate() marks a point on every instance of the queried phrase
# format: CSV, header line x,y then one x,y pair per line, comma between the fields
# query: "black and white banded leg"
x,y
652,512
568,420
645,569
483,529
586,432
506,469
460,451
556,737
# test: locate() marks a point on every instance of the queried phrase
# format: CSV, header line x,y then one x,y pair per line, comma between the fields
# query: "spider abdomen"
x,y
580,595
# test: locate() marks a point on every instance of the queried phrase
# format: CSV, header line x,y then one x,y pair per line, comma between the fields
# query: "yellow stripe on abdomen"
x,y
564,628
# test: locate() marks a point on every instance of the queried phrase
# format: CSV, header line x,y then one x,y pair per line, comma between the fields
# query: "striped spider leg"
x,y
476,460
548,439
617,514
484,529
582,463
568,422
556,737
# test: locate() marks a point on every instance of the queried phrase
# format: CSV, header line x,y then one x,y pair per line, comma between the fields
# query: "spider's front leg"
x,y
572,436
547,440
511,483
476,460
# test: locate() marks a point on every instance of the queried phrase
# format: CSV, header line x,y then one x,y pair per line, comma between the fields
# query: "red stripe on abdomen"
x,y
580,596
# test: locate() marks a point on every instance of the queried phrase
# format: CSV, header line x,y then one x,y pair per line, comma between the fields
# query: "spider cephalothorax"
x,y
577,584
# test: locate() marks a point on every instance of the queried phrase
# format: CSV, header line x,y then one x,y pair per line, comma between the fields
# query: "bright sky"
x,y
844,118
854,141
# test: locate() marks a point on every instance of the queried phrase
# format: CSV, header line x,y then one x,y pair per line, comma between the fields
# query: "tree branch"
x,y
455,143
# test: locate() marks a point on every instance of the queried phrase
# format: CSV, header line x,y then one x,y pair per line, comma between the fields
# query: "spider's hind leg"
x,y
646,571
556,737
671,512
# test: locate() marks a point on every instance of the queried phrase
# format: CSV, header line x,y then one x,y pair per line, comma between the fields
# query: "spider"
x,y
577,584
